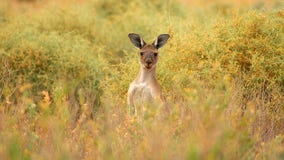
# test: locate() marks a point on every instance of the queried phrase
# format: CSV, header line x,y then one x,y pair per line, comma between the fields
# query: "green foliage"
x,y
43,59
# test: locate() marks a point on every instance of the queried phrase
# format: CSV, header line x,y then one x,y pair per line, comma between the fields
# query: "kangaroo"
x,y
145,89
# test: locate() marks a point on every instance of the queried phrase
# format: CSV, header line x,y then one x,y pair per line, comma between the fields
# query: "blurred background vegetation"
x,y
65,67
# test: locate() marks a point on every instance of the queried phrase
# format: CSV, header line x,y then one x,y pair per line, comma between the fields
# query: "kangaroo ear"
x,y
161,40
136,40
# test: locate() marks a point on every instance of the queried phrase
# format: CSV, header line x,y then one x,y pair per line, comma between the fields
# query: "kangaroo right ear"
x,y
136,40
161,40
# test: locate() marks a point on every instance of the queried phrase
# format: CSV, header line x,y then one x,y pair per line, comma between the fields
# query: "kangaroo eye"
x,y
155,54
141,53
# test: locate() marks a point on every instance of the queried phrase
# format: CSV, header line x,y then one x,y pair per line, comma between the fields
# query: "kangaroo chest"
x,y
141,93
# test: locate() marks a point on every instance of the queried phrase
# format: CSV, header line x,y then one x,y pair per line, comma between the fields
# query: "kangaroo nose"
x,y
148,62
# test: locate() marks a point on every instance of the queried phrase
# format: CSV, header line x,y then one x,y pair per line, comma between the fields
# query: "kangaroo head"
x,y
148,52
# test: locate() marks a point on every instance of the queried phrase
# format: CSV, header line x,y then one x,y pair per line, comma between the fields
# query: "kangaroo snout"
x,y
149,62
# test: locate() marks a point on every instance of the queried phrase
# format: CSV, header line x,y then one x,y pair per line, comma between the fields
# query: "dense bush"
x,y
47,61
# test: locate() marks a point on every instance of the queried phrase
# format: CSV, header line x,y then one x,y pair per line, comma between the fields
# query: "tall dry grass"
x,y
65,71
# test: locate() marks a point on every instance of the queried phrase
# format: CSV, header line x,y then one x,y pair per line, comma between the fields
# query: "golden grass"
x,y
65,70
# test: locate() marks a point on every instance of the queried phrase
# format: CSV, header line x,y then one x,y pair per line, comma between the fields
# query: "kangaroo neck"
x,y
146,75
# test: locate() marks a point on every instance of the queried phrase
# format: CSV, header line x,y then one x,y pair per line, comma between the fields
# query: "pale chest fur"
x,y
141,93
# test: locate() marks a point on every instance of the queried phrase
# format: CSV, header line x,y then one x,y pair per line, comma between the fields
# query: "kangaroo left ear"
x,y
161,40
136,40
